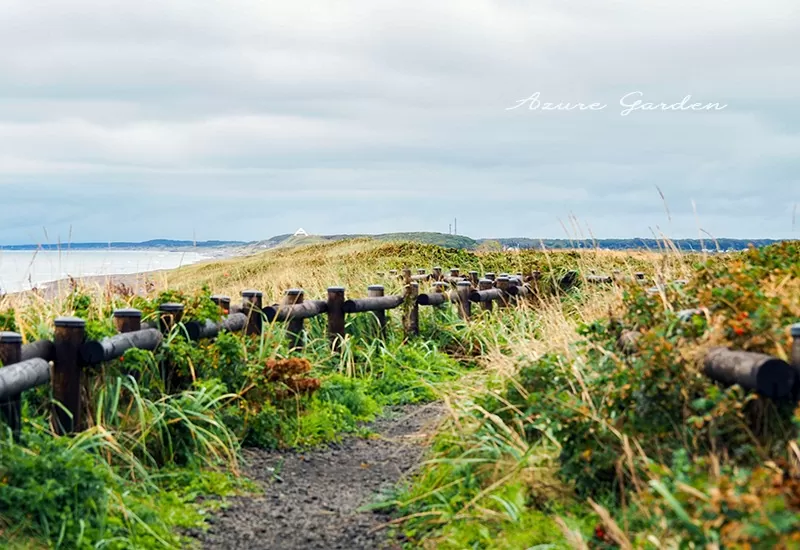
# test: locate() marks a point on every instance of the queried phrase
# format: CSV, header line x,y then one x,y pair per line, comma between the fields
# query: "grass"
x,y
605,450
551,437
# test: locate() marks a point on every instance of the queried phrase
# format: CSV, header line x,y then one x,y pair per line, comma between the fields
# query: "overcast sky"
x,y
241,119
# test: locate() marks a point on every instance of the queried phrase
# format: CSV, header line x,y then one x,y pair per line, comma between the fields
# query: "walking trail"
x,y
311,500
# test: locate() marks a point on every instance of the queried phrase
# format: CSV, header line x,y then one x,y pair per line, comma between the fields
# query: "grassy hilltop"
x,y
553,435
467,243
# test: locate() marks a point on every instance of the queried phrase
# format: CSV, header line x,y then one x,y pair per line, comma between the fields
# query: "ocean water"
x,y
20,270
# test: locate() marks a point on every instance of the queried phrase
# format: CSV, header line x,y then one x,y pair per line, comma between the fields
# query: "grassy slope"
x,y
134,438
637,451
497,482
439,239
553,327
354,263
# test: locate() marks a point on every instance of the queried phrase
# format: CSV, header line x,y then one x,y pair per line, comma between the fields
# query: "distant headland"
x,y
441,239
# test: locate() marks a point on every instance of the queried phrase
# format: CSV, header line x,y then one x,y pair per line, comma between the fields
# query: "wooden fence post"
x,y
406,276
491,276
294,327
454,272
503,284
485,284
252,302
439,287
473,278
463,290
512,298
223,302
376,291
128,320
336,316
794,331
70,334
169,315
437,273
11,408
411,310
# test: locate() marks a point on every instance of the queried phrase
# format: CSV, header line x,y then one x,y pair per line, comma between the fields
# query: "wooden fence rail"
x,y
61,362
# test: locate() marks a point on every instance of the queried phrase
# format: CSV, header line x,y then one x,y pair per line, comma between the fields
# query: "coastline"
x,y
139,282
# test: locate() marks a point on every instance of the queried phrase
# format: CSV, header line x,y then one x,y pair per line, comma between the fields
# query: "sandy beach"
x,y
140,282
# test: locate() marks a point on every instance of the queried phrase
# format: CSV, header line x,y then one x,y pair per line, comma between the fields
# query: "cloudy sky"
x,y
242,119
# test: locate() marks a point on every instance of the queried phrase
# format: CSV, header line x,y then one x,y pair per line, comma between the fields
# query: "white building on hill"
x,y
300,233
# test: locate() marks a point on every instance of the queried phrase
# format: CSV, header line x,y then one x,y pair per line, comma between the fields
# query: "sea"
x,y
22,270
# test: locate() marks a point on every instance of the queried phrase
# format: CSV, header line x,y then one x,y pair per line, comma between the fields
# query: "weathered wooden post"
x,y
491,276
11,407
795,355
421,271
513,285
439,287
503,284
437,273
376,291
223,303
474,278
568,280
294,327
411,310
454,272
336,316
393,272
464,305
70,334
169,315
406,276
252,302
127,320
485,284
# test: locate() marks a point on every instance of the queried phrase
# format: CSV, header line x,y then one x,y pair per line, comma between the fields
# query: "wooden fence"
x,y
61,361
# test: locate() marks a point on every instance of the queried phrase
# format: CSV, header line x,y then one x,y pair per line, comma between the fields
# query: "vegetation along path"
x,y
314,499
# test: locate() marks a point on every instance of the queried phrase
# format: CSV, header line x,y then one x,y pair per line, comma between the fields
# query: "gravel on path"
x,y
311,499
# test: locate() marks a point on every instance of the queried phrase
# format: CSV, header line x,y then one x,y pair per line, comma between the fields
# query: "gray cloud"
x,y
246,119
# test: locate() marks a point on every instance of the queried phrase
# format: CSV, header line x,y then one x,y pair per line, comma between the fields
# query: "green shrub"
x,y
54,490
350,393
409,373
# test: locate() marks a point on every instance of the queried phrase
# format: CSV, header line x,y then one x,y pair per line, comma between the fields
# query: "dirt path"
x,y
311,499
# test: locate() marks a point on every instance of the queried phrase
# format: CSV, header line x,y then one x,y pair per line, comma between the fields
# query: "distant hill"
x,y
460,241
441,239
633,244
155,243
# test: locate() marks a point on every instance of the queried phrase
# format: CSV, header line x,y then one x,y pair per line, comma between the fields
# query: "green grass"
x,y
637,451
541,404
131,480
